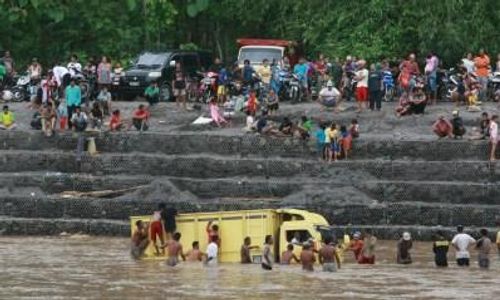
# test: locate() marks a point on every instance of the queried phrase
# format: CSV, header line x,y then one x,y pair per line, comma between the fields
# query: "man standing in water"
x,y
287,256
483,246
195,254
245,251
368,252
404,246
212,251
440,249
328,256
140,240
307,257
267,254
174,250
461,241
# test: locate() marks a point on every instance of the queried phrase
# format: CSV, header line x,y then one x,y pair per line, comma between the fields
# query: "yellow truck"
x,y
285,225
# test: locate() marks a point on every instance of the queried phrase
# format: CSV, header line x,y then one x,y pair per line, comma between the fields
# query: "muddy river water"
x,y
81,267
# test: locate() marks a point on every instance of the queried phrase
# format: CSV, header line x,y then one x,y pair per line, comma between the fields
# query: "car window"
x,y
151,60
190,63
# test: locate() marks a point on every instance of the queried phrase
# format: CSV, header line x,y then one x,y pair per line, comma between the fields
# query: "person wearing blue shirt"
x,y
300,70
247,72
73,95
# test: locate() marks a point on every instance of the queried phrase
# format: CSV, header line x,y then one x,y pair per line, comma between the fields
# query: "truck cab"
x,y
256,50
160,67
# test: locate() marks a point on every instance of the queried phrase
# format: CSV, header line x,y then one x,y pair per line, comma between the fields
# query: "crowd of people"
x,y
362,245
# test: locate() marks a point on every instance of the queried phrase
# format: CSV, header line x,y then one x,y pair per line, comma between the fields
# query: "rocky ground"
x,y
167,117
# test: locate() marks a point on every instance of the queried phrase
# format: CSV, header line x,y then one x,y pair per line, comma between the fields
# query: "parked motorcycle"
x,y
494,85
208,87
23,89
295,91
450,80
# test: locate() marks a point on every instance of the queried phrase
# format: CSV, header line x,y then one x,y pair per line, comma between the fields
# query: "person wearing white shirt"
x,y
468,63
462,241
493,130
212,252
329,95
362,85
74,67
61,75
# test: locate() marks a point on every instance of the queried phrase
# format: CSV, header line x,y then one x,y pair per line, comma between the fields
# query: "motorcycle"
x,y
295,91
23,89
208,87
388,85
450,80
494,85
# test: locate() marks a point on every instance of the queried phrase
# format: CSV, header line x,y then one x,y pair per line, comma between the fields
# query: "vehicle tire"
x,y
18,94
165,92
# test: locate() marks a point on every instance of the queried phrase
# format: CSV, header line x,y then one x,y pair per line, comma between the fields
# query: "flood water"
x,y
81,267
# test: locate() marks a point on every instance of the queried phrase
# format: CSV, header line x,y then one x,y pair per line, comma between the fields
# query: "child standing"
x,y
62,114
346,141
320,141
354,130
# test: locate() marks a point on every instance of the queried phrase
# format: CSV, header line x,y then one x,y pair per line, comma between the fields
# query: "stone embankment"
x,y
388,185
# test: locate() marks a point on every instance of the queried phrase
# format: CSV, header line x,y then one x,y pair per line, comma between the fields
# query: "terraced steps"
x,y
369,147
206,166
41,226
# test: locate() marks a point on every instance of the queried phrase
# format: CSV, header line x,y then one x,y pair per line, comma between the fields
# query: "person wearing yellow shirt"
x,y
264,72
7,119
332,142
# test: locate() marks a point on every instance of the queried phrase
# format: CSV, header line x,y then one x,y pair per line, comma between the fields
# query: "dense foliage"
x,y
52,29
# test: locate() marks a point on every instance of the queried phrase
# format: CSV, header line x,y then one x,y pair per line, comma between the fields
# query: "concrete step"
x,y
369,147
208,166
337,212
41,226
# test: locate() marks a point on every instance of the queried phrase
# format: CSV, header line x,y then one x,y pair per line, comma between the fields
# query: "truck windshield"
x,y
327,231
257,55
151,61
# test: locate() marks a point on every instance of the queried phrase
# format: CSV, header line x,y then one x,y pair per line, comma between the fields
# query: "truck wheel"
x,y
165,92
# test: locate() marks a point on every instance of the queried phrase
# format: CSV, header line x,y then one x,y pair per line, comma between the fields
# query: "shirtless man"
x,y
288,255
174,250
307,257
140,240
328,256
195,254
245,251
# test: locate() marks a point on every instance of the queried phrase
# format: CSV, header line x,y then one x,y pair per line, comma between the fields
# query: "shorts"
x,y
362,94
335,147
463,262
329,267
432,82
363,260
172,261
156,230
484,263
266,267
179,92
221,90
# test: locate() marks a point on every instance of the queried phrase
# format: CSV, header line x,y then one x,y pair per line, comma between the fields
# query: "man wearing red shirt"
x,y
140,118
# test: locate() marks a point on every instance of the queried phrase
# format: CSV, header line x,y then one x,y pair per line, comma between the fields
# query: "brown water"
x,y
81,267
